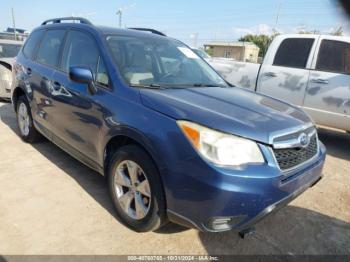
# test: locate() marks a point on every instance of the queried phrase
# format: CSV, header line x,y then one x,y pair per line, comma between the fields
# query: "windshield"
x,y
9,50
201,53
150,61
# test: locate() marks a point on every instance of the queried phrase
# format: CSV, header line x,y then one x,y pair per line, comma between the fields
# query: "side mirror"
x,y
83,75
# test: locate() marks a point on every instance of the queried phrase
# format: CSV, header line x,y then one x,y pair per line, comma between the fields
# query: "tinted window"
x,y
334,56
9,50
50,47
80,50
294,52
31,44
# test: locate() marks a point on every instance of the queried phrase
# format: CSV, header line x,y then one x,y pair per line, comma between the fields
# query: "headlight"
x,y
220,148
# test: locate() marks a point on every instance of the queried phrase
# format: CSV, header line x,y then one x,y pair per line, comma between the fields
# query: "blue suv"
x,y
174,140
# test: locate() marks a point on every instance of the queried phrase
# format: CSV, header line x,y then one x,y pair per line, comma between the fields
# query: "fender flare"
x,y
137,136
14,95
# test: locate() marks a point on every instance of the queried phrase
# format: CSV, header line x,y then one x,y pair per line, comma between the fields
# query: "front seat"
x,y
137,70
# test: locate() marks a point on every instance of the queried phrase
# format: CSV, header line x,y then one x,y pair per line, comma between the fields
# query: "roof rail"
x,y
148,30
60,19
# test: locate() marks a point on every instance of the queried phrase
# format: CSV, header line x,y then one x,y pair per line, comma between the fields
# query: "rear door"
x,y
327,98
284,74
39,71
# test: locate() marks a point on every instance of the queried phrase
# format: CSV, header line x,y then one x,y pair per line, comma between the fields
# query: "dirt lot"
x,y
52,204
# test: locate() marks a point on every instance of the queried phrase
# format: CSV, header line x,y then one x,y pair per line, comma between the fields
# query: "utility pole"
x,y
194,36
14,23
120,13
278,15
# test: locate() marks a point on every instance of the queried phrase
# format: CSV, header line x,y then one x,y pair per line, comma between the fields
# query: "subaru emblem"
x,y
304,140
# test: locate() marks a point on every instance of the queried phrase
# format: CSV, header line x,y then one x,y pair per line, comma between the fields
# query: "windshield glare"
x,y
201,53
9,50
146,61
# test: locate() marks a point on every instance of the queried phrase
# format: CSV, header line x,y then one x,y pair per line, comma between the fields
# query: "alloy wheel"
x,y
23,119
132,189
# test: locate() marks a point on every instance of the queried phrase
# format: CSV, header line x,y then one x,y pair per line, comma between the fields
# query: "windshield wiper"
x,y
206,85
151,86
193,85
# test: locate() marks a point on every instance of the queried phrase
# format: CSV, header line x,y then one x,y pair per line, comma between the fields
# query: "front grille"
x,y
292,157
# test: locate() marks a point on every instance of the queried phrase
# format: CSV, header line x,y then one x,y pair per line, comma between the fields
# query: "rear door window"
x,y
334,56
294,52
32,43
50,46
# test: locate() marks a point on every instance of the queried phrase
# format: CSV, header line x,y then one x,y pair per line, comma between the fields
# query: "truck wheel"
x,y
136,189
27,131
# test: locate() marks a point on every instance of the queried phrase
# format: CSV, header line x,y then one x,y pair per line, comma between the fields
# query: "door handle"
x,y
28,71
56,86
319,81
270,74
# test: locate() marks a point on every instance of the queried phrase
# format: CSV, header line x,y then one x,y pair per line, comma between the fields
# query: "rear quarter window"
x,y
32,43
293,52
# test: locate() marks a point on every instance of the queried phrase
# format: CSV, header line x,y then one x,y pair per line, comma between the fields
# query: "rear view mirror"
x,y
83,75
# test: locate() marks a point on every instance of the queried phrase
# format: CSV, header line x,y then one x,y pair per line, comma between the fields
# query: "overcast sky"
x,y
182,19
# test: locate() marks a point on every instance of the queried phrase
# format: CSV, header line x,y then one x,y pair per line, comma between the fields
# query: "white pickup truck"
x,y
310,71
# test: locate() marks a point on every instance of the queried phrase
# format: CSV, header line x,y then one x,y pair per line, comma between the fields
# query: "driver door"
x,y
79,114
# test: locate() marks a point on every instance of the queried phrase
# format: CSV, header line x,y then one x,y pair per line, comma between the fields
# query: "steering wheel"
x,y
167,76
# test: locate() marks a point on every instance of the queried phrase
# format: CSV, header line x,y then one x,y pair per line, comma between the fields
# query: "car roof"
x,y
104,30
324,36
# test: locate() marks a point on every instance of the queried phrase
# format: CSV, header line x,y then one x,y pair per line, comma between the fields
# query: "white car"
x,y
8,51
310,71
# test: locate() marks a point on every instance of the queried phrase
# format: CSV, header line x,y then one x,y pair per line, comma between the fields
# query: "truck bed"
x,y
241,74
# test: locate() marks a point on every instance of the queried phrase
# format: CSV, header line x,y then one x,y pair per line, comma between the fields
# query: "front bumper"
x,y
240,197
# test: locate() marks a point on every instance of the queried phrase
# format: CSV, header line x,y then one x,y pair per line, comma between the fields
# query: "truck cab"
x,y
310,71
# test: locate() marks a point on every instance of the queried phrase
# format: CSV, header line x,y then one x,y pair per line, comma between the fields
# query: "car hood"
x,y
231,110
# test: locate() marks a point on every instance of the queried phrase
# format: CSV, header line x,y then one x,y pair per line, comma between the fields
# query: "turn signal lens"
x,y
191,133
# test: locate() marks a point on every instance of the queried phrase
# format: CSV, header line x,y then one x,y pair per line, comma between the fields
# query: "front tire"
x,y
136,189
27,131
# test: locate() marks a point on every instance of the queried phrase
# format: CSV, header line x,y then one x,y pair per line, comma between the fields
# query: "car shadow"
x,y
292,230
92,182
337,142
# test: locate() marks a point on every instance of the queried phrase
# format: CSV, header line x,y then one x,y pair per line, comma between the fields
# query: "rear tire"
x,y
27,131
136,189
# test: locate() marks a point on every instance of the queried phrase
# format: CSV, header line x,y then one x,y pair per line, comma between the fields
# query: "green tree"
x,y
209,51
309,32
338,32
262,41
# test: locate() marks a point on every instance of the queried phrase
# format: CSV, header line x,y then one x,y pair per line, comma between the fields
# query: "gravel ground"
x,y
52,204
